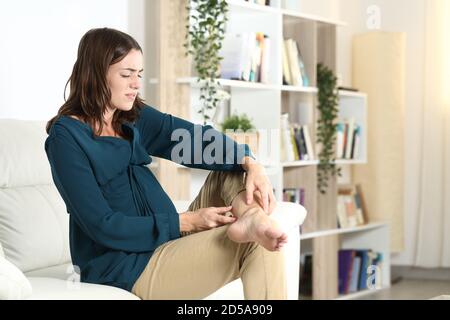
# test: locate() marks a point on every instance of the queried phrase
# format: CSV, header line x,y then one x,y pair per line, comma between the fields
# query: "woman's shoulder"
x,y
68,127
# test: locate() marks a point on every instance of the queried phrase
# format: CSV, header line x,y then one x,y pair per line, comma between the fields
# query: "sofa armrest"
x,y
288,214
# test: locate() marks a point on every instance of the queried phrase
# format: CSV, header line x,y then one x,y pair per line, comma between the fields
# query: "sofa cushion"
x,y
22,154
56,289
13,283
63,272
34,226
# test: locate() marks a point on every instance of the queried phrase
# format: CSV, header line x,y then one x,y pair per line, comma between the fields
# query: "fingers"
x,y
249,192
221,210
225,220
272,202
265,199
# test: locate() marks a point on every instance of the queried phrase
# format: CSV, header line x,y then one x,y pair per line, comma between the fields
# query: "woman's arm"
x,y
78,187
161,132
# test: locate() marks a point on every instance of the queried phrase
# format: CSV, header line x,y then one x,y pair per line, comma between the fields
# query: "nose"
x,y
135,83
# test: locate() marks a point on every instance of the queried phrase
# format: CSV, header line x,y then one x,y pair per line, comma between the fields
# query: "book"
x,y
306,269
294,67
350,134
345,267
287,153
286,72
356,142
354,278
309,145
340,127
265,60
350,208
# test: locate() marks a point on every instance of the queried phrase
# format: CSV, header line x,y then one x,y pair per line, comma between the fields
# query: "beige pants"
x,y
194,266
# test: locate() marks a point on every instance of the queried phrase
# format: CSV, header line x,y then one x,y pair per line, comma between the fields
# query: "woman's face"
x,y
124,80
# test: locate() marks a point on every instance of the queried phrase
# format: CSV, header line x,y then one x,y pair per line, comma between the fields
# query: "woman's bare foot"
x,y
255,226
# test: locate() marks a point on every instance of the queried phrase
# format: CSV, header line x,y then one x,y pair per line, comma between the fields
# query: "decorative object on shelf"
x,y
206,23
241,129
328,97
220,112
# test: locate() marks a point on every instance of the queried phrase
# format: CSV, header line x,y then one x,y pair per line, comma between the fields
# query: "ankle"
x,y
257,214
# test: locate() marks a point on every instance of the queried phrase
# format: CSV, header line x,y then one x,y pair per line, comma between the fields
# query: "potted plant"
x,y
328,99
205,24
240,129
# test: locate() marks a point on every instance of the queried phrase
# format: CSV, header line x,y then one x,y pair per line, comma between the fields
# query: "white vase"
x,y
219,114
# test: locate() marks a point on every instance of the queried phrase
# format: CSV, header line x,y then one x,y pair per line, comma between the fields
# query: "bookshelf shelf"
x,y
291,15
350,161
330,232
299,163
358,294
346,93
230,83
299,89
262,86
248,7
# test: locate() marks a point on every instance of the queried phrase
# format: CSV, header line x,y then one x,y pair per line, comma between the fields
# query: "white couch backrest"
x,y
34,227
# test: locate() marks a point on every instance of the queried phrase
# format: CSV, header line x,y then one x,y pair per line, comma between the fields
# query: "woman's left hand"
x,y
257,181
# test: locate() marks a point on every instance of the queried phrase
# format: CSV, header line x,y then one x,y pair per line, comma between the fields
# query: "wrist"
x,y
186,223
248,163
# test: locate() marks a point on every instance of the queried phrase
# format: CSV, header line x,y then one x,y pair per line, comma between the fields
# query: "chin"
x,y
125,107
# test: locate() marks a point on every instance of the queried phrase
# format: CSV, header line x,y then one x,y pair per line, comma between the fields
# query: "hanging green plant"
x,y
205,26
328,99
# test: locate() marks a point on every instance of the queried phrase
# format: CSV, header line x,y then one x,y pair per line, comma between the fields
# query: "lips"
x,y
131,96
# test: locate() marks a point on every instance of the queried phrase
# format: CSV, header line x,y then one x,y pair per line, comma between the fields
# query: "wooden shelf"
x,y
352,94
294,15
252,8
358,294
330,232
231,83
302,163
299,89
351,161
262,86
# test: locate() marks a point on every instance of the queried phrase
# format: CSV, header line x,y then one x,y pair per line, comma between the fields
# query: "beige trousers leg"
x,y
195,266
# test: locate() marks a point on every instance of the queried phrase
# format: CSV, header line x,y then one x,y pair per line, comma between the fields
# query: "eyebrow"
x,y
133,70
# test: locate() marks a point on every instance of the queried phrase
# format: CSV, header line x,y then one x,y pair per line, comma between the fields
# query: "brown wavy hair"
x,y
89,92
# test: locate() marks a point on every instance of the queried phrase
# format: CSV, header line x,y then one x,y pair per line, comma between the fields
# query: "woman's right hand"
x,y
205,219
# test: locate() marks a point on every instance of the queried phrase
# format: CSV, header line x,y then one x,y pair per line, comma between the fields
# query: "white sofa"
x,y
34,227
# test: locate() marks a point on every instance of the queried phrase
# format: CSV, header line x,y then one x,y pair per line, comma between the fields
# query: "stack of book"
x,y
296,195
246,57
294,70
351,209
295,141
358,270
348,139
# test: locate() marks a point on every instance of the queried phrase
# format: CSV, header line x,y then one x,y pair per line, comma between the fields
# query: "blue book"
x,y
353,287
345,265
364,265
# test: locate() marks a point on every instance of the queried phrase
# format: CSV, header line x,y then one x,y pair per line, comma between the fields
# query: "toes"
x,y
273,233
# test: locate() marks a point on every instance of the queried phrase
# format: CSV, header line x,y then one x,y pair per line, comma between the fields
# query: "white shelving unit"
x,y
265,102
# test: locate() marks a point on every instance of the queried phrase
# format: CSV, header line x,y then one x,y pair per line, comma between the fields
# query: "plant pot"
x,y
251,138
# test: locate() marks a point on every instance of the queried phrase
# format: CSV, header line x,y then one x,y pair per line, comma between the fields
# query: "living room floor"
x,y
411,289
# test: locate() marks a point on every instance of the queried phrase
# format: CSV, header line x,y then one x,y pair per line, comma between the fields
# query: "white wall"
x,y
396,15
39,41
406,16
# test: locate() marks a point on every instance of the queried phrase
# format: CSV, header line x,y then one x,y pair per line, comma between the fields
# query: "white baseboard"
x,y
409,272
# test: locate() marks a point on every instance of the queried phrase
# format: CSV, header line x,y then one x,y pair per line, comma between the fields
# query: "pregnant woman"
x,y
124,229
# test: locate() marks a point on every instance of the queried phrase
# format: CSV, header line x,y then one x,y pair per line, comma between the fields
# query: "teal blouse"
x,y
119,213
